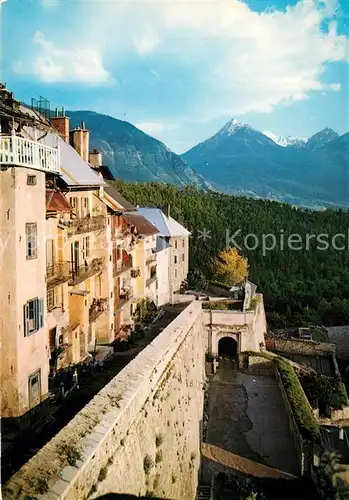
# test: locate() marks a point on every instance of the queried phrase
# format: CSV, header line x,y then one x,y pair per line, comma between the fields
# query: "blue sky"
x,y
180,70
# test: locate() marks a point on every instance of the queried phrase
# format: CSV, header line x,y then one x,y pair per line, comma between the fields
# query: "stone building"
x,y
172,248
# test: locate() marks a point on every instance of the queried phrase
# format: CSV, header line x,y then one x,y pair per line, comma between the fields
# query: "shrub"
x,y
40,485
159,440
323,390
102,474
71,452
220,284
319,333
158,457
210,356
254,302
148,464
301,409
156,481
215,305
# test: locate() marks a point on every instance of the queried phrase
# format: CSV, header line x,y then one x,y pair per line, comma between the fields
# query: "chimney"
x,y
166,209
61,124
95,158
80,140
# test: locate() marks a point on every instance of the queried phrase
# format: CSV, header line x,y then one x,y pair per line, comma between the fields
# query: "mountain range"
x,y
237,160
133,155
242,160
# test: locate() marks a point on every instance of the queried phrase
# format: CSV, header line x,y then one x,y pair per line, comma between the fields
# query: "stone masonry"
x,y
140,434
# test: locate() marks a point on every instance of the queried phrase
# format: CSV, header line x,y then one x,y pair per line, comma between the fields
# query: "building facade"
x,y
172,248
76,257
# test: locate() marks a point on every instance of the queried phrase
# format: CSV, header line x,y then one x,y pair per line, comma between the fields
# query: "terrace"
x,y
151,280
124,297
85,225
151,259
122,266
16,151
97,308
57,274
82,273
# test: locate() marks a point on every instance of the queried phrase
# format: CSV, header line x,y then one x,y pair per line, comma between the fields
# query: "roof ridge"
x,y
164,217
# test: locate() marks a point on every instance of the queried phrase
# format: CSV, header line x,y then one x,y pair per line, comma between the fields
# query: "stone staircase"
x,y
203,492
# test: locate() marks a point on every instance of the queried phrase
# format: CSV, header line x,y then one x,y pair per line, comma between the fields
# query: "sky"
x,y
180,69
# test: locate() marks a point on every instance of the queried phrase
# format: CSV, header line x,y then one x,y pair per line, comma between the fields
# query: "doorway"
x,y
228,347
75,256
34,391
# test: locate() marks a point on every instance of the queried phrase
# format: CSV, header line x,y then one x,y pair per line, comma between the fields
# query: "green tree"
x,y
196,280
332,485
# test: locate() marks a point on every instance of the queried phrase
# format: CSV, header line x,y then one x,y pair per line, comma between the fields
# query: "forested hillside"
x,y
300,286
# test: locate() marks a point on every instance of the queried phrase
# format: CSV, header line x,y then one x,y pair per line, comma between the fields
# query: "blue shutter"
x,y
41,313
26,319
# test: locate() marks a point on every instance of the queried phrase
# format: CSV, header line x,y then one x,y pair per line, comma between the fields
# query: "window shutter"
x,y
26,319
41,313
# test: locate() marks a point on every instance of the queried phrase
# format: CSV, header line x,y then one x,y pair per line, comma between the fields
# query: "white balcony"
x,y
16,151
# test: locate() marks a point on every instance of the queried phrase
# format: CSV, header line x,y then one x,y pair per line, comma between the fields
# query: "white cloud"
x,y
146,42
152,128
53,64
244,61
239,60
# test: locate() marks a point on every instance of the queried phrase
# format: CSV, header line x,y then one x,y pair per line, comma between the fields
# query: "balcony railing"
x,y
97,308
121,267
151,259
150,280
135,273
86,225
16,151
57,274
82,273
123,298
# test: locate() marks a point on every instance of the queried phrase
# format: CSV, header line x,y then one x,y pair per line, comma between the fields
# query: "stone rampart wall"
x,y
140,434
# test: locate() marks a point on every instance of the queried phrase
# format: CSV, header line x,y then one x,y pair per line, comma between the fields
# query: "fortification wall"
x,y
140,434
339,335
305,347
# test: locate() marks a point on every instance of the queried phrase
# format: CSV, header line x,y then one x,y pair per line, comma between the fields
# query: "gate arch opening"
x,y
228,347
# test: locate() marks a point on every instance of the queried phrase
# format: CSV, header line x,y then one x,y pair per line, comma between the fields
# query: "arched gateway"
x,y
228,347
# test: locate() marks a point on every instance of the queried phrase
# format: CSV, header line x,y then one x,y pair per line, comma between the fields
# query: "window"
x,y
50,299
31,238
175,259
86,207
75,205
182,257
183,243
176,244
31,180
175,273
33,316
87,246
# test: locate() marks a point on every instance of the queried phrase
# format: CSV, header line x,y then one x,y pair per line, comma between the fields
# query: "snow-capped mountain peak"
x,y
232,126
286,141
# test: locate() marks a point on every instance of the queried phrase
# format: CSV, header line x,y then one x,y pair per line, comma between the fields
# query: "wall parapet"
x,y
61,467
299,346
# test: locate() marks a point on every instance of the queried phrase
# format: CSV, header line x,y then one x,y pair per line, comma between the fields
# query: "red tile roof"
x,y
57,202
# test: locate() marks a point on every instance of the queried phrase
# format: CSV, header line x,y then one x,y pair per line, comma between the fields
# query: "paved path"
x,y
246,417
241,464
